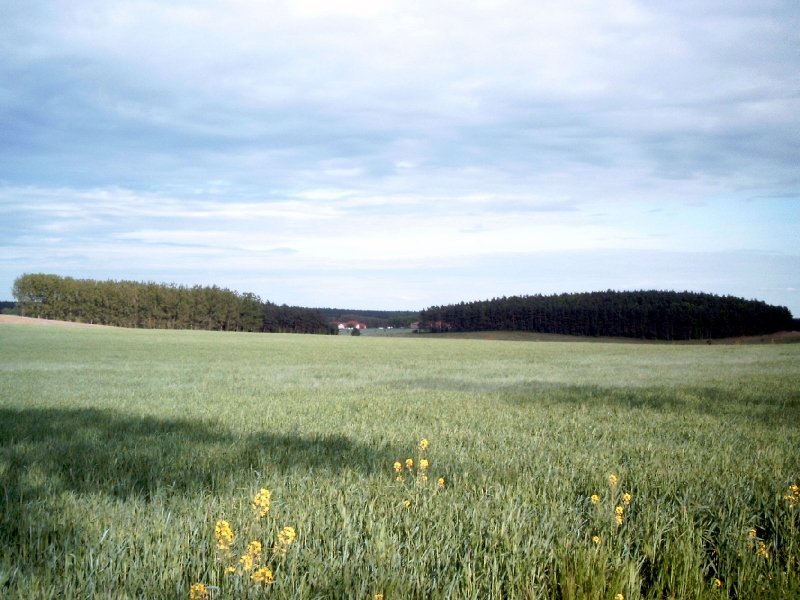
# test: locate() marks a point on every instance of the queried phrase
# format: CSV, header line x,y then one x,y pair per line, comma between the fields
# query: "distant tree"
x,y
8,308
153,305
643,314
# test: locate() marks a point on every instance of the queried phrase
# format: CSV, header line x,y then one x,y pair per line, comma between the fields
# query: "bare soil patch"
x,y
15,320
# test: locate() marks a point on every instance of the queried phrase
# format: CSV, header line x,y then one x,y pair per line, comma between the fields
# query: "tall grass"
x,y
121,449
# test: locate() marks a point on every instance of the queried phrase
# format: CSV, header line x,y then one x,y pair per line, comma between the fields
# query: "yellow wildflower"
x,y
247,562
263,576
619,510
198,591
618,519
596,539
793,497
399,478
751,533
423,478
254,549
613,480
423,444
251,556
762,550
287,535
423,464
377,596
626,498
595,499
231,569
407,503
440,482
397,466
409,463
224,535
718,583
261,502
619,597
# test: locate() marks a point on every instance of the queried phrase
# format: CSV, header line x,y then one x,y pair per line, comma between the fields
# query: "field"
x,y
569,470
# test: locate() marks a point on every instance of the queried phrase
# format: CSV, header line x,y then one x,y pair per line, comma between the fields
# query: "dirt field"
x,y
13,319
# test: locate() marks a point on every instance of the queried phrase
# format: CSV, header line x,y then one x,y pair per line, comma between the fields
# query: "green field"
x,y
121,449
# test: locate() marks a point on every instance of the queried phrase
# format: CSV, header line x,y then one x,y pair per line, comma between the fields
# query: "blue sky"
x,y
397,155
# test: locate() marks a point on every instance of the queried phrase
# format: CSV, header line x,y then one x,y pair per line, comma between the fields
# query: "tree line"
x,y
158,306
650,314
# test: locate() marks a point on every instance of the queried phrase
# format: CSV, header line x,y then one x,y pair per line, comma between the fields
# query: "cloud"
x,y
386,133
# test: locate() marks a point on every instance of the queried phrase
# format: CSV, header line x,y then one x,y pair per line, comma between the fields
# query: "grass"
x,y
121,449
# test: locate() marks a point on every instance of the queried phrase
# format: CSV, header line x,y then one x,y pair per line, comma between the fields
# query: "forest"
x,y
661,315
158,306
652,314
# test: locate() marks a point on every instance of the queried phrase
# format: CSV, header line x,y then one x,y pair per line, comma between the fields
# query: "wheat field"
x,y
181,464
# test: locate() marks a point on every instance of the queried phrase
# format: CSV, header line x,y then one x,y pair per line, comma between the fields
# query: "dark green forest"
x,y
158,306
644,314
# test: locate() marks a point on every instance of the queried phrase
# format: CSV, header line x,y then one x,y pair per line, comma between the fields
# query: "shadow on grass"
x,y
45,452
772,409
769,407
91,451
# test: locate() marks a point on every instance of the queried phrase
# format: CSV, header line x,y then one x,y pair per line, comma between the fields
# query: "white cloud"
x,y
385,133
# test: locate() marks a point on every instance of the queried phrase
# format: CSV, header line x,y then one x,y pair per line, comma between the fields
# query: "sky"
x,y
380,154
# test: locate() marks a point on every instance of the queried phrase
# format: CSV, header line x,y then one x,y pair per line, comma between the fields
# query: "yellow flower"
x,y
751,533
231,569
247,562
377,596
251,556
423,478
626,498
399,478
793,497
224,535
618,519
397,466
717,583
409,463
440,482
263,576
613,480
407,503
596,539
423,444
762,550
287,535
254,549
619,597
619,510
198,591
261,502
423,464
595,499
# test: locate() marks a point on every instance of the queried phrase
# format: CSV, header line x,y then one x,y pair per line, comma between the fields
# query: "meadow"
x,y
132,464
